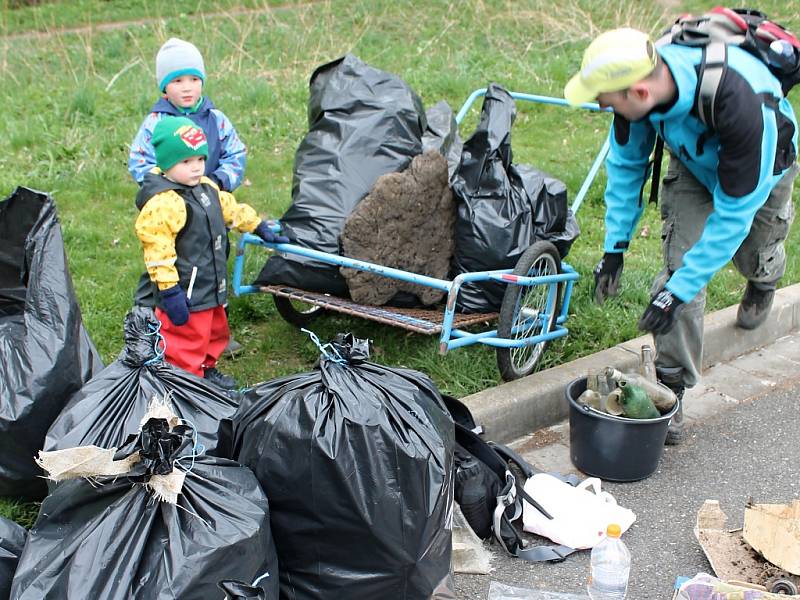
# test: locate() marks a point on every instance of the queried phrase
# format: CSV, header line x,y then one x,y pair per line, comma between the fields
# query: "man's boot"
x,y
676,432
672,377
755,304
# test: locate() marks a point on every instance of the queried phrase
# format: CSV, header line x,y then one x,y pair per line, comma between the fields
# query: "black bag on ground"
x,y
117,538
363,123
110,407
357,462
490,494
45,353
502,208
12,541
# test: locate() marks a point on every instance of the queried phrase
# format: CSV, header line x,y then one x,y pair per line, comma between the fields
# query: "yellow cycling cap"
x,y
614,61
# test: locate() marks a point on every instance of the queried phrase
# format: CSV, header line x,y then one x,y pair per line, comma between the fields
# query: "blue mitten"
x,y
175,304
265,233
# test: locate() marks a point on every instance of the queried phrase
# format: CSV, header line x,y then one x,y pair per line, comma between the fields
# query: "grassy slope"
x,y
73,101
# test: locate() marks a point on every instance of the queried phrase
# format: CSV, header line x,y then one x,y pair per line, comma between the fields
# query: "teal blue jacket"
x,y
753,146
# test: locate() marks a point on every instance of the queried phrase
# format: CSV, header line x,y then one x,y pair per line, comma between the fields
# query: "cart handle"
x,y
598,161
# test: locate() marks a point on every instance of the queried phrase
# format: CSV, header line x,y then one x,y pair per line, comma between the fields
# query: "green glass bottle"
x,y
636,403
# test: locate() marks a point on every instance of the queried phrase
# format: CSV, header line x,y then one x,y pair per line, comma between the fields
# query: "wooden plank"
x,y
427,322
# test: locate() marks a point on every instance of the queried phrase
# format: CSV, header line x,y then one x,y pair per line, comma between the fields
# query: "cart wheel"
x,y
783,583
522,307
295,312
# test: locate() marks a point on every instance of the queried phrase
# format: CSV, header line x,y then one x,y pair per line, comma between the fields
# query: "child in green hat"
x,y
182,227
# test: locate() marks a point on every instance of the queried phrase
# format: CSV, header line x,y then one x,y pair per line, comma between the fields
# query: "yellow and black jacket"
x,y
183,227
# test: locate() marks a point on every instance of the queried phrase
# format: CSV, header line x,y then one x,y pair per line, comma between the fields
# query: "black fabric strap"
x,y
658,155
544,553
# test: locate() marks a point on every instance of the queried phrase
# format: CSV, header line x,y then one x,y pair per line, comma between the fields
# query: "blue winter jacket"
x,y
227,155
755,143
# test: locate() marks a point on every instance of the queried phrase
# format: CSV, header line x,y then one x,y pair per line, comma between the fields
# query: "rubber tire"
x,y
505,363
291,315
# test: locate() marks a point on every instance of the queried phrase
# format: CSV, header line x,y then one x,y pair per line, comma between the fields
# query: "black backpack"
x,y
488,492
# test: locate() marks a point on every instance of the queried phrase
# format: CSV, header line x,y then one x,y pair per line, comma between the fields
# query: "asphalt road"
x,y
748,450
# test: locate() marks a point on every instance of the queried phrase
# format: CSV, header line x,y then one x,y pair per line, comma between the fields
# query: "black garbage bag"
x,y
363,123
110,407
12,541
159,522
236,590
357,462
502,208
45,353
442,135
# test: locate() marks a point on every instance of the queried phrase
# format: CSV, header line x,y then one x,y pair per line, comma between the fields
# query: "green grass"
x,y
72,101
45,16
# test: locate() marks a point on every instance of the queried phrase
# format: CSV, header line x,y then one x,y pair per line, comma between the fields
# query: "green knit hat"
x,y
176,139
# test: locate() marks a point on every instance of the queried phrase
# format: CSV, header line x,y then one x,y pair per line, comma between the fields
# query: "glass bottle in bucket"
x,y
610,567
647,364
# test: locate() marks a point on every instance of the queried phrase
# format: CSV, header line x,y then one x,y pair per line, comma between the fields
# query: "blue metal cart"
x,y
533,311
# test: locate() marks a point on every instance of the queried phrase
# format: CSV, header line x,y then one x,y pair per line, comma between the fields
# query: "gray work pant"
x,y
685,206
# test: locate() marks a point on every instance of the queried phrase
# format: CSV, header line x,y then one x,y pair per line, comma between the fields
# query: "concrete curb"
x,y
517,408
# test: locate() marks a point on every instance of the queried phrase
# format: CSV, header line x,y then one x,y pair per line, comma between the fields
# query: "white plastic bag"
x,y
580,516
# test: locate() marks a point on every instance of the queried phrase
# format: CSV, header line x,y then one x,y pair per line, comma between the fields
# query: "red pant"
x,y
199,342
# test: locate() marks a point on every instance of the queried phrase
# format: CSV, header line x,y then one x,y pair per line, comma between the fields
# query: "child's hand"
x,y
175,304
265,233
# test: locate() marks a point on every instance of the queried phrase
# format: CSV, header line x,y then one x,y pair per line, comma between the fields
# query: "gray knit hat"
x,y
175,58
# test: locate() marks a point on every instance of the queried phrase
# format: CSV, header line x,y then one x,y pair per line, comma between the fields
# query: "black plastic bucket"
x,y
613,448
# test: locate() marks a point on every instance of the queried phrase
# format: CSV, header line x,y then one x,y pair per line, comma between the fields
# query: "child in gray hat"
x,y
180,75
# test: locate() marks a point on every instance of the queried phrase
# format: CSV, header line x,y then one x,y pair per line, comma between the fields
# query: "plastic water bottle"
x,y
781,55
610,567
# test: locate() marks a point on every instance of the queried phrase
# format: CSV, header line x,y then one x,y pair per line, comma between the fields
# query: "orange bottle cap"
x,y
613,530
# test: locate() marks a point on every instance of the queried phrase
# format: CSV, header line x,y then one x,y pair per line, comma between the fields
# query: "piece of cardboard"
x,y
773,530
731,558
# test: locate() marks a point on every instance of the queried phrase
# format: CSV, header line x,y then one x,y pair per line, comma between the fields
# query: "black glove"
x,y
175,304
265,233
660,315
606,276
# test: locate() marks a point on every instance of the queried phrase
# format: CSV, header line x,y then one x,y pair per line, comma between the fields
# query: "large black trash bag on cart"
x,y
111,406
363,123
503,208
12,541
140,534
45,353
357,462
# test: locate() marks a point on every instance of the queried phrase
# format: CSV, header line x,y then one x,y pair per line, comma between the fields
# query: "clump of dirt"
x,y
407,221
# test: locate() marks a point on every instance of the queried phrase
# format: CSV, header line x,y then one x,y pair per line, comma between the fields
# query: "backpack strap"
x,y
544,553
512,542
655,165
712,69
